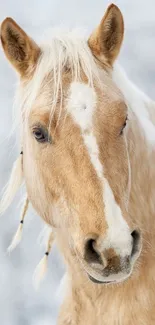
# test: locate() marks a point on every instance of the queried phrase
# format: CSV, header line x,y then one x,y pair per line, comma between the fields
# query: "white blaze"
x,y
81,105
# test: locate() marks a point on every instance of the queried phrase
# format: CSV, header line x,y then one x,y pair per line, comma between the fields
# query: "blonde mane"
x,y
62,50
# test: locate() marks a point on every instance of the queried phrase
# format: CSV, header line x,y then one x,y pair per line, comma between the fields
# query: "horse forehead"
x,y
81,104
84,100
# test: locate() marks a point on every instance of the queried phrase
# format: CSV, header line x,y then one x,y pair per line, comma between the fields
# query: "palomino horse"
x,y
88,163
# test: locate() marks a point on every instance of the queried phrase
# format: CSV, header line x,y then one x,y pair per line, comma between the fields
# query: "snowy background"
x,y
19,303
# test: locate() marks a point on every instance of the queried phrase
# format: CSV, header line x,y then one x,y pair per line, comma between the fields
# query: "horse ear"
x,y
19,48
105,42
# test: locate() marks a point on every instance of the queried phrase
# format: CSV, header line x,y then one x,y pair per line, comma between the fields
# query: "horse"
x,y
87,139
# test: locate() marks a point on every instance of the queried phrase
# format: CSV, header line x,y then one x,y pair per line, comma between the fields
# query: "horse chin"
x,y
118,281
100,282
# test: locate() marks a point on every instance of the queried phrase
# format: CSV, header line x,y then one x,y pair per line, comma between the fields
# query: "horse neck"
x,y
141,146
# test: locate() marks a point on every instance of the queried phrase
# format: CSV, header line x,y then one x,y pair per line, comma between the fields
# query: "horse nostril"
x,y
136,242
91,254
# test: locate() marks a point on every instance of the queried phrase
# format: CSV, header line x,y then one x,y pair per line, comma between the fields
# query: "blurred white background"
x,y
19,303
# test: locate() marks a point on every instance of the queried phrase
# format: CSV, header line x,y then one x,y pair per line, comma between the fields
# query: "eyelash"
x,y
124,125
41,135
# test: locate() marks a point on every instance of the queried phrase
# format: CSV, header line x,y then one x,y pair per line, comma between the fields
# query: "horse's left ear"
x,y
19,48
105,42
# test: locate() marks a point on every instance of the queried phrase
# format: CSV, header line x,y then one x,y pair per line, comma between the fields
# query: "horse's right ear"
x,y
19,48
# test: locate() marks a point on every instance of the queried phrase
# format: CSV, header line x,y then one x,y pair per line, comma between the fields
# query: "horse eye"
x,y
40,134
124,125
